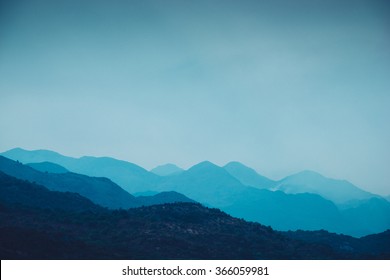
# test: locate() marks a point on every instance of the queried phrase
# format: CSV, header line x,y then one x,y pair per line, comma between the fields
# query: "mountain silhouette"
x,y
247,176
100,190
367,216
307,200
162,198
206,183
36,223
375,246
338,191
166,170
23,193
129,176
286,211
49,167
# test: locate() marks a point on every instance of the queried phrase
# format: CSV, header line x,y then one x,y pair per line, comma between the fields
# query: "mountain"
x,y
206,183
247,176
36,223
129,176
100,190
286,211
338,191
23,193
163,197
368,216
216,187
25,156
307,200
368,247
49,167
167,170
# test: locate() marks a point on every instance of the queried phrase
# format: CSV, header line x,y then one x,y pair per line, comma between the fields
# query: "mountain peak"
x,y
247,175
308,174
166,169
204,165
338,191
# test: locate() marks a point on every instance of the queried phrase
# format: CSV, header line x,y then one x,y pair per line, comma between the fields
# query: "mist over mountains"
x,y
302,201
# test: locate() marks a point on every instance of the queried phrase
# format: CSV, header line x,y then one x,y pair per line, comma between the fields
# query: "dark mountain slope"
x,y
18,192
367,247
99,190
161,198
129,176
30,230
49,167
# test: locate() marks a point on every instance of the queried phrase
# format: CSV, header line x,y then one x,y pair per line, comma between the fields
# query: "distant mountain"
x,y
338,191
247,176
206,183
214,186
368,216
49,167
129,176
286,211
100,190
25,156
166,170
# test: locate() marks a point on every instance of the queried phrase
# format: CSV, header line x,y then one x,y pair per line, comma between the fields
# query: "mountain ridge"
x,y
168,231
214,186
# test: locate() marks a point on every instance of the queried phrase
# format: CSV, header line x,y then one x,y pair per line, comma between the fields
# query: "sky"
x,y
281,86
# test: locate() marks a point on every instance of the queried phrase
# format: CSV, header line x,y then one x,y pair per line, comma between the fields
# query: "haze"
x,y
281,86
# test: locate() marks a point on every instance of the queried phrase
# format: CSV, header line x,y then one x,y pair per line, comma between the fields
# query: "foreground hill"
x,y
36,223
370,246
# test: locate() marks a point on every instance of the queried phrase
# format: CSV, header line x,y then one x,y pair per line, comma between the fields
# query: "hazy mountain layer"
x,y
248,176
338,191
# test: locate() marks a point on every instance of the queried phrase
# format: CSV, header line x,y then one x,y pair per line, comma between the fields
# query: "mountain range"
x,y
37,223
100,190
306,200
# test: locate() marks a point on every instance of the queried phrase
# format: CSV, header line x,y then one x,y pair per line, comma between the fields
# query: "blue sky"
x,y
279,85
